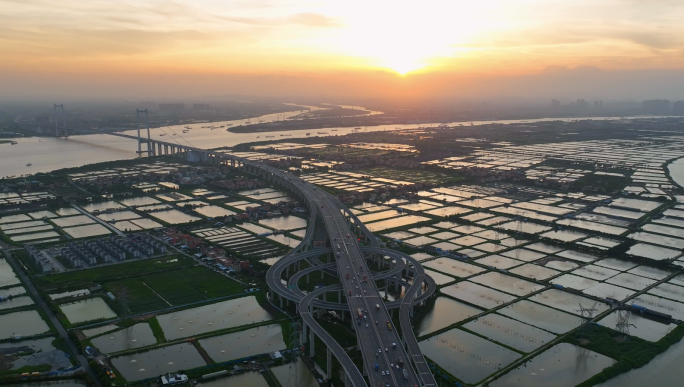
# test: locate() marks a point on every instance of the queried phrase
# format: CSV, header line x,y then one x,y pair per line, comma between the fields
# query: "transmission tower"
x,y
587,314
295,332
623,324
59,112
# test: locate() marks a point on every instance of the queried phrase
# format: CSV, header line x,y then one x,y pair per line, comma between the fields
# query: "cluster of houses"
x,y
42,263
182,240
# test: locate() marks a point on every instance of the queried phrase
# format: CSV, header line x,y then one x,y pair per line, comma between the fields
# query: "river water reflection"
x,y
47,153
156,362
664,370
541,316
243,344
25,323
466,356
444,313
510,332
213,317
87,310
563,365
139,335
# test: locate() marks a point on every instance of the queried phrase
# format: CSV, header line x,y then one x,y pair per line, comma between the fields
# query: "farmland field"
x,y
412,175
112,272
172,288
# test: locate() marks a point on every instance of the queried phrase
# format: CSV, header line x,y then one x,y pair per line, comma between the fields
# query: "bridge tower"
x,y
59,113
150,147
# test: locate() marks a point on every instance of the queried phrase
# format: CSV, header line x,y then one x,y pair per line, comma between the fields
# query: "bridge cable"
x,y
174,139
183,138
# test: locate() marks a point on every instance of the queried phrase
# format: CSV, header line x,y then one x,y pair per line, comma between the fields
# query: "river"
x,y
664,370
676,169
47,154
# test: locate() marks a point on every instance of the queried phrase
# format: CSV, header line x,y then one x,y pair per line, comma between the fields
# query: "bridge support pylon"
x,y
328,368
304,329
311,344
59,112
150,146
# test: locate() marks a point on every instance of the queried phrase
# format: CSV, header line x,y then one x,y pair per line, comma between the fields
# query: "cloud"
x,y
655,40
74,43
311,19
307,19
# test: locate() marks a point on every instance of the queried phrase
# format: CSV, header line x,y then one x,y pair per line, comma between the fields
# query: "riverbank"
x,y
46,154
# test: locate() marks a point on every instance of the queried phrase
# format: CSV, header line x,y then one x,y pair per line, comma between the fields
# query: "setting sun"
x,y
324,41
403,68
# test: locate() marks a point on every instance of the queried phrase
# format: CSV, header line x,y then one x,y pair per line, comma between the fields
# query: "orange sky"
x,y
155,41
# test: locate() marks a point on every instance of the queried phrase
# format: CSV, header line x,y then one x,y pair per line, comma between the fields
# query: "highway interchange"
x,y
379,343
374,335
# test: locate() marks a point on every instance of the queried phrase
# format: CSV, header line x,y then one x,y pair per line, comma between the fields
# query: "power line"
x,y
623,323
588,314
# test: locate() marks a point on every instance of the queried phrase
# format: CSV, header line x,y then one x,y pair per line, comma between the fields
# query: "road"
x,y
375,337
379,341
53,319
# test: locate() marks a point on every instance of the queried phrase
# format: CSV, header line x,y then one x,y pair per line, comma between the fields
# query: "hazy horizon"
x,y
159,49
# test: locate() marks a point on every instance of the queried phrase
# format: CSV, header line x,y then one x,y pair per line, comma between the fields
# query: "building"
x,y
657,106
43,264
201,106
555,103
581,104
172,107
678,107
170,379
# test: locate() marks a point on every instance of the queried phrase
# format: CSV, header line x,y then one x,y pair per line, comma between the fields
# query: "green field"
x,y
140,297
101,274
412,175
178,287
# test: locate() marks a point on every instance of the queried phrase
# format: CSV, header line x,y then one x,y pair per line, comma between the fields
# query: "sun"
x,y
402,66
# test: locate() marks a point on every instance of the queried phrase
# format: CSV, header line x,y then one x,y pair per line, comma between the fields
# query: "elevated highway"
x,y
375,332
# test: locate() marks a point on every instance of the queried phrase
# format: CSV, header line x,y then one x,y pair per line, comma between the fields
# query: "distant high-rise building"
x,y
201,106
598,104
171,107
657,106
555,103
678,107
582,104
